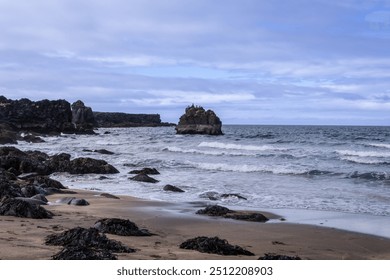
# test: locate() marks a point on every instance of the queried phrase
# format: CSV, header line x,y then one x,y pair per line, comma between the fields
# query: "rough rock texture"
x,y
41,163
271,256
214,245
170,188
20,208
144,178
90,238
220,211
83,253
82,116
197,120
120,227
126,120
146,170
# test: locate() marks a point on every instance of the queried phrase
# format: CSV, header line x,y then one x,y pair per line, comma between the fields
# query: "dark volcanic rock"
x,y
100,151
20,208
271,256
90,238
146,170
120,227
90,165
8,188
144,178
42,116
214,210
197,120
220,211
8,134
214,245
83,253
126,120
170,188
82,116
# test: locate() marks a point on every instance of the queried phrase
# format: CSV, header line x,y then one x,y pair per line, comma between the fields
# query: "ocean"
x,y
336,176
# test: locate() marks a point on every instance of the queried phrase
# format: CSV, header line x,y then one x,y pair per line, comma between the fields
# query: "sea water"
x,y
311,170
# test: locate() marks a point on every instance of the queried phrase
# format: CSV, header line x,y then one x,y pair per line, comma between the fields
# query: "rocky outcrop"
x,y
127,120
45,116
144,178
171,188
197,120
214,245
21,208
20,162
82,116
146,170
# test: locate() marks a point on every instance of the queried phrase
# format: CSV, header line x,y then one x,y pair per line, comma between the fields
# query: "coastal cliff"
x,y
104,119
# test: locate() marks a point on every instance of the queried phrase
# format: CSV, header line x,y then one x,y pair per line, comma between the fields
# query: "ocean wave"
x,y
203,152
377,154
379,145
230,146
362,160
371,176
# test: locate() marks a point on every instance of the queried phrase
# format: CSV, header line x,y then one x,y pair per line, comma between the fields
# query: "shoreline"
x,y
23,238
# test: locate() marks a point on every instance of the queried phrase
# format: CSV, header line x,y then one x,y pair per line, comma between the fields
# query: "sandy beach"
x,y
23,239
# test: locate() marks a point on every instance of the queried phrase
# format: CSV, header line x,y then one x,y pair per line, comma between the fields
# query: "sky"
x,y
318,62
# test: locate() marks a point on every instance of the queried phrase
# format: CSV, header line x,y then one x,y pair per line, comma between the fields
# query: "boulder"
x,y
20,208
73,201
170,188
89,165
214,245
100,151
120,227
146,170
90,238
144,178
83,253
218,196
220,211
197,120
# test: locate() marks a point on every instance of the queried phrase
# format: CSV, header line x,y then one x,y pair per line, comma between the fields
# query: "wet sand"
x,y
23,239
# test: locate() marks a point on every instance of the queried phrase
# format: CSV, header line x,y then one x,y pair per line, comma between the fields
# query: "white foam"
x,y
387,146
230,146
363,153
204,152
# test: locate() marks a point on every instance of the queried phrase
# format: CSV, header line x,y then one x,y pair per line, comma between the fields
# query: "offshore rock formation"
x,y
127,120
197,120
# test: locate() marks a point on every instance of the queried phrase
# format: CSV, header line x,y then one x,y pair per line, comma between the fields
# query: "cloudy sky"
x,y
251,61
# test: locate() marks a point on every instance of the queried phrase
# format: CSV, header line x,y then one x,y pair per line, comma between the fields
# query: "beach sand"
x,y
23,239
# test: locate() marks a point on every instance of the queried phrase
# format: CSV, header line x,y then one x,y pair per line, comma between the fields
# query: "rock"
x,y
147,171
144,178
32,200
220,211
120,227
271,256
197,120
73,201
42,116
20,208
232,195
8,188
32,139
8,133
214,245
40,197
90,238
100,151
170,188
83,253
82,116
126,120
89,165
108,195
214,210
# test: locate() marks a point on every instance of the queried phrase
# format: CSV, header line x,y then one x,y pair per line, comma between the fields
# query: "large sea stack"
x,y
197,120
